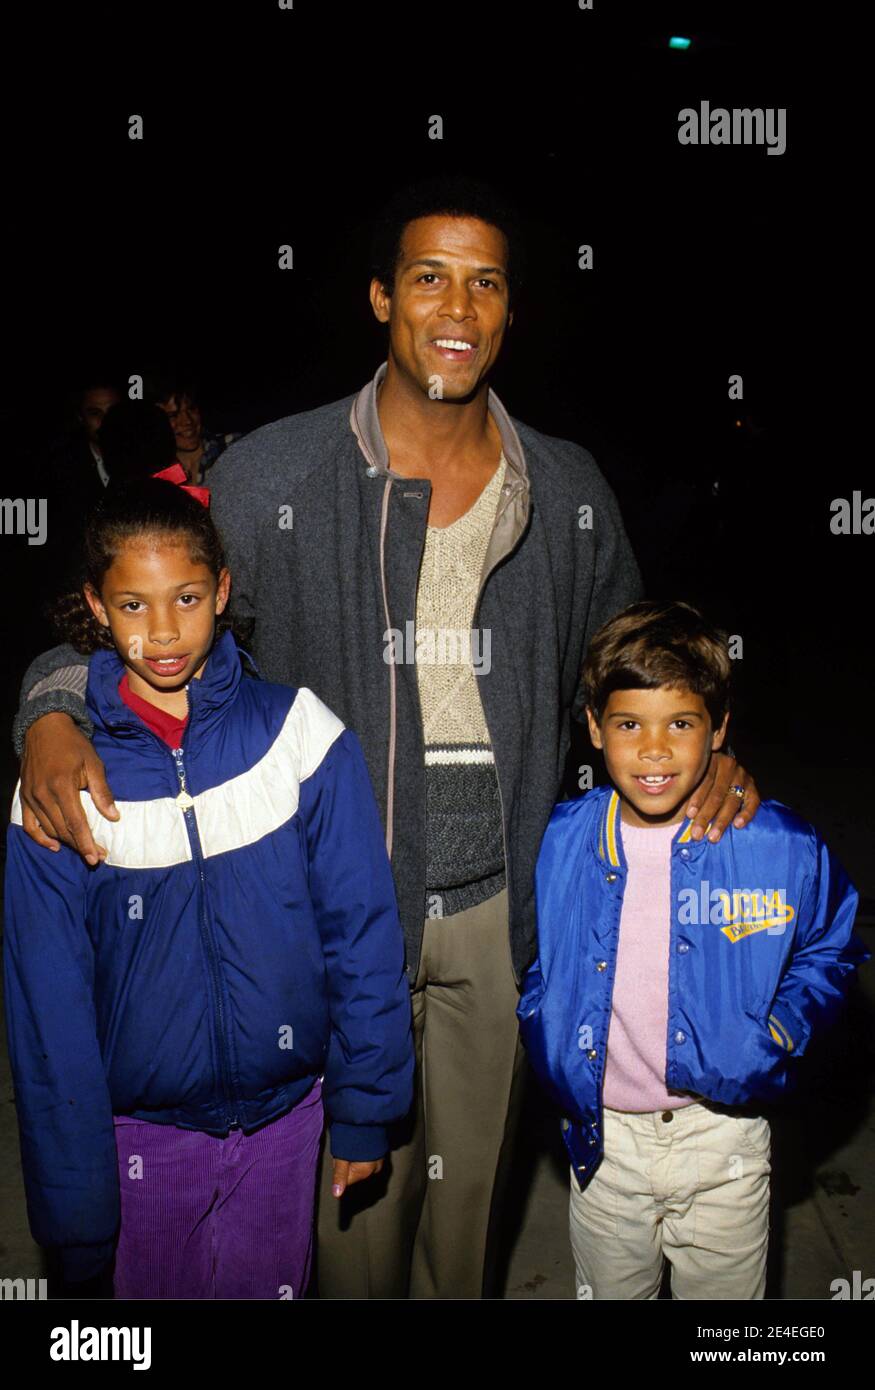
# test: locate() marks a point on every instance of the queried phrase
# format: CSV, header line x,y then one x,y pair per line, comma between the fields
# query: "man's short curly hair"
x,y
448,195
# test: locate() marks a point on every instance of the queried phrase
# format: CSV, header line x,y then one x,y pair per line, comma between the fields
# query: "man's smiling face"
x,y
448,311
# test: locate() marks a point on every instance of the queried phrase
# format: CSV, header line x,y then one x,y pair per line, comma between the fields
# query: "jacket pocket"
x,y
779,1024
779,1032
762,1058
772,1027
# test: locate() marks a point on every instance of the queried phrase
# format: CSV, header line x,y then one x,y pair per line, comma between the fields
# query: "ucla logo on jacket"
x,y
739,912
753,910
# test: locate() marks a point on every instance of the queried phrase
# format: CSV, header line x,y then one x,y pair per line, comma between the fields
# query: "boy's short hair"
x,y
654,644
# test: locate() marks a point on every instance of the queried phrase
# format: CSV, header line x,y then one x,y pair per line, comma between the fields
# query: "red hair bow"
x,y
177,474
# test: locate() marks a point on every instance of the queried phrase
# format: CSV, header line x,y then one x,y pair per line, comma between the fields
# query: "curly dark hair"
x,y
453,195
148,506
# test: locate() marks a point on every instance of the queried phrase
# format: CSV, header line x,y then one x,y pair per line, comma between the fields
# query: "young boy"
x,y
677,982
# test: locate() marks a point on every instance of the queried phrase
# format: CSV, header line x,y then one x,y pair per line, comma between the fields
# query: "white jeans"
x,y
693,1189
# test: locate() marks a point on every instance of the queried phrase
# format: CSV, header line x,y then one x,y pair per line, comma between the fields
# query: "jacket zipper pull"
x,y
183,800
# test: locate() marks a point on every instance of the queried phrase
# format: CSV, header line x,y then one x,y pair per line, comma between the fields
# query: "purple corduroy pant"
x,y
204,1217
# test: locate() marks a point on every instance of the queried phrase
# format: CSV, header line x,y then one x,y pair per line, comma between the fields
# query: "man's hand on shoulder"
x,y
716,802
58,762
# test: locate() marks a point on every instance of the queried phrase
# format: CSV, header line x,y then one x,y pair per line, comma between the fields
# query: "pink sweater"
x,y
635,1065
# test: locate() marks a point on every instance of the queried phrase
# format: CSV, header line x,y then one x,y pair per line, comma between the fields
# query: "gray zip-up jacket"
x,y
324,543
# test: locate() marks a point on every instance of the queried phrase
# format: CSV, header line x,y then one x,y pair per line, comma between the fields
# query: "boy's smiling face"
x,y
657,746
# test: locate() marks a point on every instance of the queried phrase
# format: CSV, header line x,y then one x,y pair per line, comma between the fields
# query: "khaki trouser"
x,y
693,1189
421,1228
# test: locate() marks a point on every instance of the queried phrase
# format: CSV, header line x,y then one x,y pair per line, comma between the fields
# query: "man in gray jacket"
x,y
433,569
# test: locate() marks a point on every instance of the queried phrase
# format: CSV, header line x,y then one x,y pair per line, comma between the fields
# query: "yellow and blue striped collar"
x,y
608,830
609,843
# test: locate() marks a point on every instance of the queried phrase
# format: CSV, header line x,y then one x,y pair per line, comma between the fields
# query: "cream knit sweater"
x,y
449,581
463,808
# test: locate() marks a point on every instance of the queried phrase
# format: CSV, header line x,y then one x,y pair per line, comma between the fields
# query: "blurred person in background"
x,y
76,460
196,449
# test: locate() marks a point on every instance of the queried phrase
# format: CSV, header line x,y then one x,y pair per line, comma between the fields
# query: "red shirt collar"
x,y
165,725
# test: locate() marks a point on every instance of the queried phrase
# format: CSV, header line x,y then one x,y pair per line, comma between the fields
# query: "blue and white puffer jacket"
x,y
761,947
240,940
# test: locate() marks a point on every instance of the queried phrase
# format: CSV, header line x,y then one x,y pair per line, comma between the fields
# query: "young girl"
x,y
178,1013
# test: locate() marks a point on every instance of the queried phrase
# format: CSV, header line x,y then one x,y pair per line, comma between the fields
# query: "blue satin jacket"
x,y
761,949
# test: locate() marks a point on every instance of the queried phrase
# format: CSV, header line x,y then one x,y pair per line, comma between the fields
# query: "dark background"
x,y
265,127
